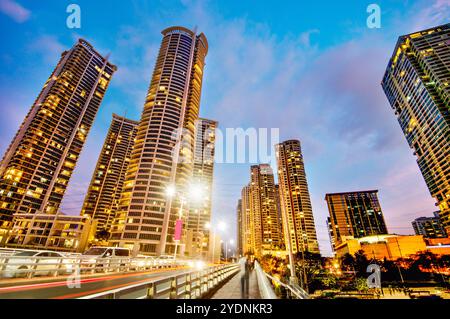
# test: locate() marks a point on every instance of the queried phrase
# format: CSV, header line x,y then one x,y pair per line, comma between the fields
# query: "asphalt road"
x,y
59,288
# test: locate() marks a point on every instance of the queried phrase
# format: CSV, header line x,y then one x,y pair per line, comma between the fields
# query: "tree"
x,y
347,262
361,263
103,234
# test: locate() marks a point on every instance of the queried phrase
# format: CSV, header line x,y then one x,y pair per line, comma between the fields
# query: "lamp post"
x,y
195,194
231,241
221,226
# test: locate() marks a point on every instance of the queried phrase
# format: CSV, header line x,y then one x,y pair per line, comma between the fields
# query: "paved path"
x,y
232,289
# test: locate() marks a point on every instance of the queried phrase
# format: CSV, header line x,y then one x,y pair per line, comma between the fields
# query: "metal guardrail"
x,y
188,285
296,291
265,288
12,266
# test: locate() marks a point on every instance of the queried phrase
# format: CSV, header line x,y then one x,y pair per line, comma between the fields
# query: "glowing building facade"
x,y
164,149
39,162
295,200
416,83
102,198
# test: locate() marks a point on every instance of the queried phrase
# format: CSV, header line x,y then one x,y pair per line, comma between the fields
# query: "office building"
x,y
357,214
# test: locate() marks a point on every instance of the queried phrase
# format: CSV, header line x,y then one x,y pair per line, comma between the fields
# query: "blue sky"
x,y
311,69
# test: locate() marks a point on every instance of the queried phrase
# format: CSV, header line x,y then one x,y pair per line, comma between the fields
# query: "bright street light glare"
x,y
170,191
196,192
207,225
222,226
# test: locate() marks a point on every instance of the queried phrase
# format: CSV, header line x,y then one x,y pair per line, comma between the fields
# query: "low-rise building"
x,y
57,232
430,227
391,247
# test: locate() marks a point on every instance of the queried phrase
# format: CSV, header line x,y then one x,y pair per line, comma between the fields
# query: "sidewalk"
x,y
232,289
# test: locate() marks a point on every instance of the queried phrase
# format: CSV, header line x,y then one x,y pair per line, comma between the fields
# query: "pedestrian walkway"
x,y
232,289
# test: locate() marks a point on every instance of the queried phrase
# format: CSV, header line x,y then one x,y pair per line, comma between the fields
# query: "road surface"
x,y
57,288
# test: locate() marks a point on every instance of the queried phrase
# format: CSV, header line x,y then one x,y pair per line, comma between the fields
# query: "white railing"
x,y
265,287
187,285
13,266
295,290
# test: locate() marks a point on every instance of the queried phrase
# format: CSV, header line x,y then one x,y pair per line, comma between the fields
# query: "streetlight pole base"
x,y
293,280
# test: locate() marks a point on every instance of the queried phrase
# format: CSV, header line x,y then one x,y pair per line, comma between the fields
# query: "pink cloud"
x,y
14,10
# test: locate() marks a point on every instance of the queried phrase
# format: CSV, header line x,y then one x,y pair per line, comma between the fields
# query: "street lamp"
x,y
195,194
221,226
231,241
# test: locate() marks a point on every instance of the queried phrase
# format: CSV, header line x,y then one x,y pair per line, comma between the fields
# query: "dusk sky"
x,y
312,70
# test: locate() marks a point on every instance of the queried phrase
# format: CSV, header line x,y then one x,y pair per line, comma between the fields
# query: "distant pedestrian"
x,y
245,277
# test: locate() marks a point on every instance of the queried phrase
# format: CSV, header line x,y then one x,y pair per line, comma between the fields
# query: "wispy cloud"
x,y
14,10
48,47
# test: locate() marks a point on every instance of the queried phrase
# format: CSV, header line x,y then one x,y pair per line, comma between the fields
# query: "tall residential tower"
x,y
39,162
163,153
266,201
295,200
102,198
199,213
416,83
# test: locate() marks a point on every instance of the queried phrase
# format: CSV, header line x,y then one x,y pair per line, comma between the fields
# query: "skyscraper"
x,y
295,201
240,229
356,214
200,211
265,201
416,83
102,198
251,232
163,152
429,227
37,166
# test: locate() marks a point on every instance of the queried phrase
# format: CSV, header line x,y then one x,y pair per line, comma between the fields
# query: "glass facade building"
x,y
354,214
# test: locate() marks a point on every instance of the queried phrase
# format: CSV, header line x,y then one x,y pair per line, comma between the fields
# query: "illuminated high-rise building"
x,y
251,231
240,229
39,162
354,214
416,83
162,155
295,200
429,227
102,198
199,213
265,202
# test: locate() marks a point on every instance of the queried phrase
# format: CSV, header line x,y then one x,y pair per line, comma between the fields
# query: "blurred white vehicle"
x,y
38,262
165,259
104,258
142,262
